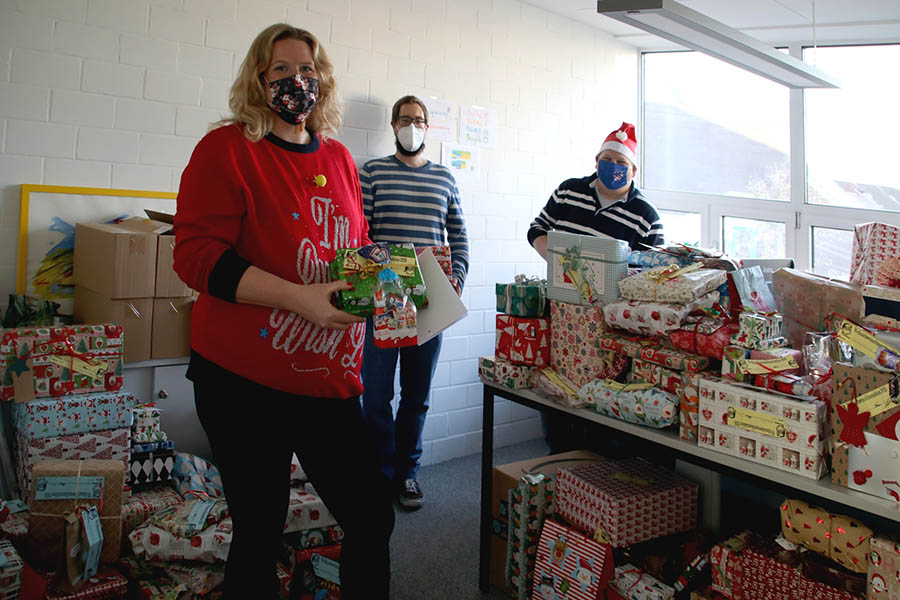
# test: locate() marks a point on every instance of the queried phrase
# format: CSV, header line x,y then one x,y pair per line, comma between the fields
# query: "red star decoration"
x,y
854,424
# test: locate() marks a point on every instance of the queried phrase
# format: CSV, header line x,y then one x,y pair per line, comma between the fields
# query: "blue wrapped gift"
x,y
54,417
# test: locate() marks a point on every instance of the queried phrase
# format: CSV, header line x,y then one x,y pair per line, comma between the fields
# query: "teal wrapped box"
x,y
83,413
523,298
360,266
584,269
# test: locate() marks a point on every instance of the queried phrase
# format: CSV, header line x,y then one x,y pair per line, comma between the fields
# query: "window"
x,y
681,227
831,252
751,238
852,132
712,128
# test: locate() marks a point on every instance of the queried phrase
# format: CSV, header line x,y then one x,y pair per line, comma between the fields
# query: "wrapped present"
x,y
873,243
106,584
569,564
631,500
314,537
10,571
523,340
194,474
760,326
15,526
60,486
780,431
146,425
360,266
655,258
653,318
672,284
584,269
306,511
725,559
573,344
650,351
682,384
732,356
104,444
41,362
150,468
442,255
152,446
639,403
151,542
805,300
882,569
317,573
394,319
529,504
523,298
813,589
199,579
561,390
864,430
487,368
784,384
832,579
634,584
769,571
142,505
753,289
885,347
704,335
778,360
73,414
514,376
740,339
190,517
842,539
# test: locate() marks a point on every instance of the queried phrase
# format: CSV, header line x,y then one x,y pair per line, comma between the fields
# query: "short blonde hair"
x,y
249,98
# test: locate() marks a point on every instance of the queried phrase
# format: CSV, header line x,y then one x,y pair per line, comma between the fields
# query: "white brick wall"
x,y
117,93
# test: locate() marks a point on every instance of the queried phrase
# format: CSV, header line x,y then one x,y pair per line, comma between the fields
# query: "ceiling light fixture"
x,y
689,28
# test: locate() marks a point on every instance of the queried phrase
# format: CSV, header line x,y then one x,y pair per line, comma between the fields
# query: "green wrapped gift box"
x,y
360,266
523,298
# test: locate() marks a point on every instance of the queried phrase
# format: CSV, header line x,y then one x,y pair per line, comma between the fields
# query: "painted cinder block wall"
x,y
116,93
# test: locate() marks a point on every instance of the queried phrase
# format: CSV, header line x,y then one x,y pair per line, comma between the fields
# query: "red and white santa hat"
x,y
623,141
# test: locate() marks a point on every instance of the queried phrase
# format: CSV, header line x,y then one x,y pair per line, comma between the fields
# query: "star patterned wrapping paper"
x,y
523,340
632,500
570,565
73,414
47,356
768,428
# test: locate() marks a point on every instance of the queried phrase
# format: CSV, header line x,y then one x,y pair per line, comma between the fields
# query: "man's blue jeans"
x,y
398,441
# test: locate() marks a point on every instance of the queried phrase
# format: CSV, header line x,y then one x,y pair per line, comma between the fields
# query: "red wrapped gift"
x,y
769,572
441,255
107,584
631,500
873,243
704,335
649,349
725,560
570,565
40,362
523,340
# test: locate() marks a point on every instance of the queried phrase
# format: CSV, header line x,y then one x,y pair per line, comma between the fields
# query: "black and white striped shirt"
x,y
418,205
574,208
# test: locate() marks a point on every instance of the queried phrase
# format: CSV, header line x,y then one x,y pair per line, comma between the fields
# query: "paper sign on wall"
x,y
442,122
461,160
477,126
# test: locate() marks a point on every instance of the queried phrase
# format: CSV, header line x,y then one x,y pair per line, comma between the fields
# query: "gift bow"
x,y
522,279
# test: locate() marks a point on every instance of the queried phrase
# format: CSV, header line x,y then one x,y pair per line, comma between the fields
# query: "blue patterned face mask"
x,y
611,175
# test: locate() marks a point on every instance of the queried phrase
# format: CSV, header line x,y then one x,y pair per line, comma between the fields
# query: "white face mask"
x,y
411,137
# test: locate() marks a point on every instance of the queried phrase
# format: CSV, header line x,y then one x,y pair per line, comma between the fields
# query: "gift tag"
x,y
93,369
14,506
768,365
876,401
197,517
65,488
326,568
862,340
94,536
626,387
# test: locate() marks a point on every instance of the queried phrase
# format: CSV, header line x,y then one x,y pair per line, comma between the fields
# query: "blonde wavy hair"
x,y
249,97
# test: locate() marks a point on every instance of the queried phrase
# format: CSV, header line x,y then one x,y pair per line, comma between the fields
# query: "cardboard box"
x,y
505,478
168,284
805,300
118,260
135,314
171,328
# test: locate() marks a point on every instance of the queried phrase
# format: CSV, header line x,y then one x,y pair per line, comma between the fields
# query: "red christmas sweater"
x,y
261,201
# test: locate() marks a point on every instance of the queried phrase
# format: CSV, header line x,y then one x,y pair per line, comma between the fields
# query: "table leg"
x,y
487,466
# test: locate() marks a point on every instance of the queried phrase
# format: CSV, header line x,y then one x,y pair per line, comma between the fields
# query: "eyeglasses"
x,y
418,121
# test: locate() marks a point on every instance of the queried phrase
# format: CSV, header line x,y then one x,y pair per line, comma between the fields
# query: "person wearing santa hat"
x,y
606,203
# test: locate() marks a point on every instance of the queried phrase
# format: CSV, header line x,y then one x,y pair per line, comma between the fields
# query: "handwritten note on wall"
x,y
442,120
477,126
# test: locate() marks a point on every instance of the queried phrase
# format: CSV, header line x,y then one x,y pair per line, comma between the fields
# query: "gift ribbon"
x,y
574,266
76,498
354,264
640,575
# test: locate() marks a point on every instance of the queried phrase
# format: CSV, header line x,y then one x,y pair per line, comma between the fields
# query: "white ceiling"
x,y
772,21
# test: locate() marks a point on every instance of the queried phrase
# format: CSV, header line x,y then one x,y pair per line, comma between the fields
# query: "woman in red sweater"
x,y
266,200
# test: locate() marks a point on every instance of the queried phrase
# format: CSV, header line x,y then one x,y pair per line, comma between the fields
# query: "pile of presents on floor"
x,y
107,507
793,370
582,527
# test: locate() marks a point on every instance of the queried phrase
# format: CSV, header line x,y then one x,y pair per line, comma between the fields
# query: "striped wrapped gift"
x,y
570,565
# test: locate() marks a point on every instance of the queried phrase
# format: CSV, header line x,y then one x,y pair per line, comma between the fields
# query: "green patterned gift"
x,y
526,297
360,266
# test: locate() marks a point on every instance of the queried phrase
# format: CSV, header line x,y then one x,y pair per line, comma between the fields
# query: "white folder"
x,y
444,305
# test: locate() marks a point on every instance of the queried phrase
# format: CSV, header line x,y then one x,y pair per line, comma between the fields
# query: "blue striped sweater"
x,y
418,205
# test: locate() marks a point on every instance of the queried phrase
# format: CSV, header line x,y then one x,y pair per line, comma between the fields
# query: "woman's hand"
x,y
313,303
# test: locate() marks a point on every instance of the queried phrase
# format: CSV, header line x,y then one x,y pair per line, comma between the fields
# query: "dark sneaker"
x,y
411,495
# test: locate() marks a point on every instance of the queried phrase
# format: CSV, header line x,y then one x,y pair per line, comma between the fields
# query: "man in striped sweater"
x,y
604,204
407,198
